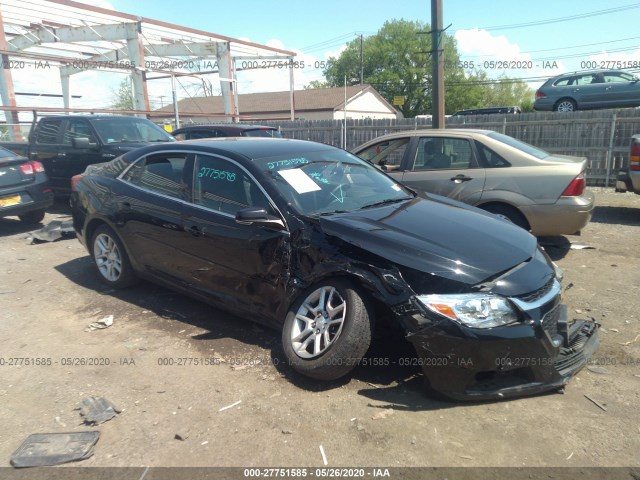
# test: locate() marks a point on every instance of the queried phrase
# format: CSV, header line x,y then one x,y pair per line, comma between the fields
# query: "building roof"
x,y
317,99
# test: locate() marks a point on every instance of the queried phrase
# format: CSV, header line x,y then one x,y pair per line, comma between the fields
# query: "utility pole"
x,y
361,60
437,65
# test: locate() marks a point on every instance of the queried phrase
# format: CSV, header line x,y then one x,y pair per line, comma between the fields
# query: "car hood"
x,y
461,244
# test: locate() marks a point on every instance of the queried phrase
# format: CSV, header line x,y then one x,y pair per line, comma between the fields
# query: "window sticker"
x,y
300,181
396,187
216,174
289,162
317,176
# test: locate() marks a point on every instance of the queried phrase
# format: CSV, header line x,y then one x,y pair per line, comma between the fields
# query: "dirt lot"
x,y
379,416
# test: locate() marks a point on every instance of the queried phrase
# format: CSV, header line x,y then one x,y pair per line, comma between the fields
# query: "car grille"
x,y
573,355
550,321
535,295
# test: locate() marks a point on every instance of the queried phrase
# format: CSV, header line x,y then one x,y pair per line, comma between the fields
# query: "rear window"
x,y
262,132
524,147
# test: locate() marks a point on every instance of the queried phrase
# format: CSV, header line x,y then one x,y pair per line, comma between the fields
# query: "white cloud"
x,y
615,60
491,53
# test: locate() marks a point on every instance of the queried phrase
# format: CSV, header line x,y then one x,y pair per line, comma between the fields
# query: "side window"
x,y
388,153
563,82
491,158
160,173
204,134
435,153
615,78
48,131
224,186
78,129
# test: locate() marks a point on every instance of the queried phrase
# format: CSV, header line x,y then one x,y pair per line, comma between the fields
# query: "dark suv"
x,y
193,132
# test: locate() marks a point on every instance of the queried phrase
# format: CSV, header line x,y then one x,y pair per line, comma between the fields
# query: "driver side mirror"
x,y
258,216
81,143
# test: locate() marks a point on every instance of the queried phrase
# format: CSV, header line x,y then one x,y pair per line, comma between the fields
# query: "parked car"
x,y
24,188
66,144
320,244
194,132
537,191
629,179
488,111
588,90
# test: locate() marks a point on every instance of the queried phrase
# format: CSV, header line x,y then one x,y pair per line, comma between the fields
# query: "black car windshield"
x,y
524,147
130,130
327,181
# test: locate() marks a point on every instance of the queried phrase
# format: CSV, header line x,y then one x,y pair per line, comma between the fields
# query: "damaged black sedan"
x,y
313,241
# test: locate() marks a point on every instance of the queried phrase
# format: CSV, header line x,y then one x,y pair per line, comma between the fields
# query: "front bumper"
x,y
524,359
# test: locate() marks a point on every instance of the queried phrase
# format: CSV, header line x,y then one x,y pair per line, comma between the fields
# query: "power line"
x,y
559,19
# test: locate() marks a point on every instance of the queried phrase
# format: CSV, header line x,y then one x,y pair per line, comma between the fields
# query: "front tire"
x,y
327,330
111,259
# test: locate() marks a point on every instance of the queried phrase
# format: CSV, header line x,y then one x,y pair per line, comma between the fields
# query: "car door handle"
x,y
460,178
62,154
195,231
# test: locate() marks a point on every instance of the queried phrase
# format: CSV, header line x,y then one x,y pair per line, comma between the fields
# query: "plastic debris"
x,y
230,406
96,410
596,369
53,231
104,322
324,457
42,449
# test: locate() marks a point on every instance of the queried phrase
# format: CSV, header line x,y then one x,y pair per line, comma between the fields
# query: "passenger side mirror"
x,y
258,216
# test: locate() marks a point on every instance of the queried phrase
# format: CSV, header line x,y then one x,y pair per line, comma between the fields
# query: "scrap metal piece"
x,y
53,231
96,410
42,449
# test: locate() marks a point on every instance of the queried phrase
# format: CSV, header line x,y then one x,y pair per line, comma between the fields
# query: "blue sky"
x,y
317,30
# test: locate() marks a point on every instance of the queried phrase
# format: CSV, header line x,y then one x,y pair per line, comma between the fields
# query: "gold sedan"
x,y
536,190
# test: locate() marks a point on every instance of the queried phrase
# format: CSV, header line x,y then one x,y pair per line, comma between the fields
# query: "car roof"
x,y
439,132
88,117
249,147
238,126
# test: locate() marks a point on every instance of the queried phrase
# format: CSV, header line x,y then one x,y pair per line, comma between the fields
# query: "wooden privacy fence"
x,y
603,136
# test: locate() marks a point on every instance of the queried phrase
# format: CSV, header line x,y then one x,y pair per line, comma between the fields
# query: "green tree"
x,y
123,97
507,91
397,62
316,84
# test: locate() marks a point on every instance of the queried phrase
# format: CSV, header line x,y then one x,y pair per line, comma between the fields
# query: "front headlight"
x,y
477,310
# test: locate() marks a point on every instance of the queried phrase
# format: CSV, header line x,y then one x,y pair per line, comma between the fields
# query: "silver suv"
x,y
588,90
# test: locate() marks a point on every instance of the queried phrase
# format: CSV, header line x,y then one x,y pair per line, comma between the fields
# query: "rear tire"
x,y
509,213
111,259
327,330
565,105
34,216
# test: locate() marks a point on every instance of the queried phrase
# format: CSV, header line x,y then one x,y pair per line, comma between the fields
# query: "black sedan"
x,y
24,188
313,241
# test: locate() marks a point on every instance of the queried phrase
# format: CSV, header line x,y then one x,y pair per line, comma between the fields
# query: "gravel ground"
x,y
249,409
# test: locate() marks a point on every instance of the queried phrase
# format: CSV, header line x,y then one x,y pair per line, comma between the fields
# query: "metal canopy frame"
x,y
77,37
